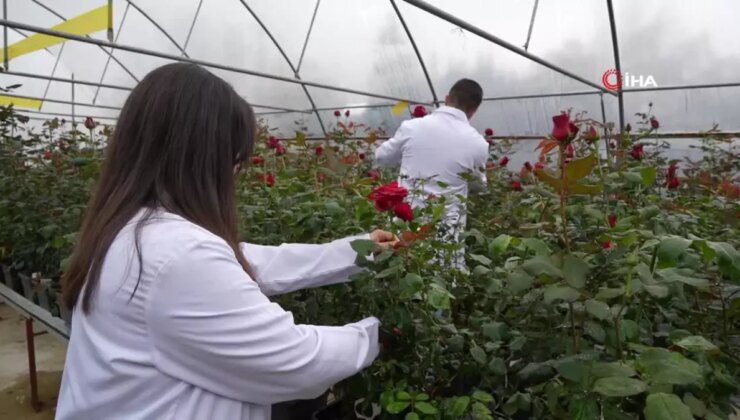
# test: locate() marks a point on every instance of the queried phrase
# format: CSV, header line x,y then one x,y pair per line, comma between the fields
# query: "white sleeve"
x,y
290,267
390,152
210,326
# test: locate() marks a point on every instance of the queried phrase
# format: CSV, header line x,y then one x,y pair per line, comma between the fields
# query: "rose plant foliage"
x,y
599,286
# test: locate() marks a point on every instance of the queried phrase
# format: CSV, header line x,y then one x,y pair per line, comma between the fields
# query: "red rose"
x,y
268,179
48,155
573,129
258,160
569,151
90,123
419,112
386,197
490,142
528,166
361,156
346,113
612,220
637,153
591,134
672,171
431,197
337,113
539,165
280,150
654,123
516,186
608,245
404,212
321,177
319,151
373,174
562,127
489,131
504,161
673,183
273,142
628,128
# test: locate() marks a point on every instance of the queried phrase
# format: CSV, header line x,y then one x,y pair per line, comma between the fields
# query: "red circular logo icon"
x,y
607,78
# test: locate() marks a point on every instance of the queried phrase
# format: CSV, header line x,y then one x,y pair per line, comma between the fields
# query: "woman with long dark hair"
x,y
171,315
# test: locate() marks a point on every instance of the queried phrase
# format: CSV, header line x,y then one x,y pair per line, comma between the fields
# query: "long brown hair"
x,y
178,138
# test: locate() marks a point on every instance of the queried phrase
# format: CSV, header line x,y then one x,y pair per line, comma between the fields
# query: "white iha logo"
x,y
613,79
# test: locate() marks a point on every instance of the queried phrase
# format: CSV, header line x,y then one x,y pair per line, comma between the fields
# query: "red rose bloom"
x,y
489,131
608,245
404,212
569,151
539,165
361,156
516,186
386,197
373,174
258,160
654,123
591,134
419,112
528,166
319,151
337,113
573,129
504,161
637,153
346,113
674,183
280,150
672,171
48,155
273,142
612,220
562,127
89,123
268,179
490,142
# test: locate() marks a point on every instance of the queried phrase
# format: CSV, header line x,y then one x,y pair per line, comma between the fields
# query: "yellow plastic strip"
x,y
399,107
84,24
20,102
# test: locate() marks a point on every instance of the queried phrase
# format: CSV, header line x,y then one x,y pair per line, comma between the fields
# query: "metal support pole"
x,y
203,63
416,50
500,42
110,55
31,350
157,25
606,132
308,35
531,25
192,25
74,124
618,67
5,36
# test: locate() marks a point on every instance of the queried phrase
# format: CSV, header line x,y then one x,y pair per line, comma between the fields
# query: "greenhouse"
x,y
574,255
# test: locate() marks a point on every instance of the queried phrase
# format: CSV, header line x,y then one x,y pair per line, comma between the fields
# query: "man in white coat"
x,y
435,151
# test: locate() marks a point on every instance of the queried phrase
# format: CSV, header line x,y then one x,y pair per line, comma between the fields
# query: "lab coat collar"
x,y
454,112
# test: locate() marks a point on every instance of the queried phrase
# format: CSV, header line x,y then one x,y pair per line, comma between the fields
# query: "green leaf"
x,y
334,209
519,281
619,386
495,330
598,309
541,265
481,412
425,408
438,297
649,174
633,177
670,249
410,285
595,330
411,416
421,397
663,366
459,407
536,245
553,293
388,272
580,168
499,245
572,370
674,275
697,343
497,366
481,270
363,246
479,355
403,396
396,407
575,271
697,406
606,293
660,291
480,259
583,409
611,369
630,330
666,407
483,397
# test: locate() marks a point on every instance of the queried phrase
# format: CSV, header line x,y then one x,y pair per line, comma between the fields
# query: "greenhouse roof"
x,y
297,61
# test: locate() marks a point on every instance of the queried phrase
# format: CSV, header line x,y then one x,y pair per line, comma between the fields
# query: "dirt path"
x,y
14,386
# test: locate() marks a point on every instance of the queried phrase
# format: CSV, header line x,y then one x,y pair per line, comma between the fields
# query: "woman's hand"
x,y
383,239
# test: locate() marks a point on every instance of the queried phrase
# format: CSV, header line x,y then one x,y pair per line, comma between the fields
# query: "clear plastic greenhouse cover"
x,y
361,47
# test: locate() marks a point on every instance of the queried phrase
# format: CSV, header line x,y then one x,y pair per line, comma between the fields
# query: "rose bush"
x,y
598,287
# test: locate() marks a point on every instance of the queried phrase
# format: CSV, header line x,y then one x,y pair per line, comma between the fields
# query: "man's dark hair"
x,y
466,95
